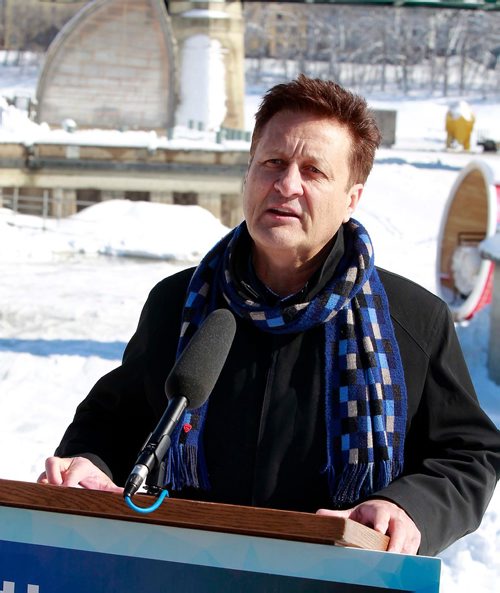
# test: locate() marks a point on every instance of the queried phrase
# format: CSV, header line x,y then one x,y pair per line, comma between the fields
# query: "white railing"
x,y
46,205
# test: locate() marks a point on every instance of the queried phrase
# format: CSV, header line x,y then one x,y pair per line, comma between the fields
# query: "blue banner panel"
x,y
45,552
28,568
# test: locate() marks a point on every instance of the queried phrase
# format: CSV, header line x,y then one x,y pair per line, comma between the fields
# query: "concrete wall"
x,y
111,66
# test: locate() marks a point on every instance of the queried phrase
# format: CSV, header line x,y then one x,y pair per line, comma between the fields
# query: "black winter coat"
x,y
265,434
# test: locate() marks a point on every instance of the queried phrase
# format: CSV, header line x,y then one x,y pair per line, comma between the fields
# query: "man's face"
x,y
296,192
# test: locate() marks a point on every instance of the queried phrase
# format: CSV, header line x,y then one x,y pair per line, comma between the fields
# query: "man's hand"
x,y
76,471
387,518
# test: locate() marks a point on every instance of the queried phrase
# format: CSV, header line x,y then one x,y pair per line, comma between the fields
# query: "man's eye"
x,y
314,170
274,162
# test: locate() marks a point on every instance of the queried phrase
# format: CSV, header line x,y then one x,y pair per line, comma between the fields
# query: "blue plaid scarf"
x,y
365,392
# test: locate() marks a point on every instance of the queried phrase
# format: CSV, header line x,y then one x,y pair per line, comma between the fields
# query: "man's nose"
x,y
289,182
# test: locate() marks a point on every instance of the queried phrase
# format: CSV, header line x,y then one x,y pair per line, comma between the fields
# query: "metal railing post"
x,y
15,200
45,206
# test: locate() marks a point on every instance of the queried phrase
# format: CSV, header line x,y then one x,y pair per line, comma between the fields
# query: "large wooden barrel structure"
x,y
471,214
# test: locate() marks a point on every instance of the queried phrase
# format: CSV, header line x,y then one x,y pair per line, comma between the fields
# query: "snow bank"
x,y
115,227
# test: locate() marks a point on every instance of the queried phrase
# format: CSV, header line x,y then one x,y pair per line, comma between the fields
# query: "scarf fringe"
x,y
357,481
186,468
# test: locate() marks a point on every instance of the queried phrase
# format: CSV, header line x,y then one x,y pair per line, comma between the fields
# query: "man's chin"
x,y
277,236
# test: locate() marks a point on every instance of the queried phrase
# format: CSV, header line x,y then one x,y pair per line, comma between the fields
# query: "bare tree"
x,y
371,48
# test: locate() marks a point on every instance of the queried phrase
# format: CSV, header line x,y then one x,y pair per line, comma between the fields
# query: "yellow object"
x,y
459,129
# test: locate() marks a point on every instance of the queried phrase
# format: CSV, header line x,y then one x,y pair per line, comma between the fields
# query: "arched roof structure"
x,y
111,66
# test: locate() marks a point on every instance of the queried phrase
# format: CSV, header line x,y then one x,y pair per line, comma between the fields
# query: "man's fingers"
x,y
386,518
68,472
54,468
391,520
405,537
98,483
76,472
42,478
61,472
397,533
73,475
373,516
329,513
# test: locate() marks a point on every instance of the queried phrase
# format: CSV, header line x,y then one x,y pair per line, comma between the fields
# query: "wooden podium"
x,y
66,540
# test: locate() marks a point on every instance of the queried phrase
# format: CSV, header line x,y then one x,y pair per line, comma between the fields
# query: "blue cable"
x,y
153,507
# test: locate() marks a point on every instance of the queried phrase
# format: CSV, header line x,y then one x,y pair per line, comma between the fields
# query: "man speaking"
x,y
344,391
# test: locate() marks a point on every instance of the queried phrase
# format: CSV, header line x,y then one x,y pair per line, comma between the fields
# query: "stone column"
x,y
63,202
490,249
163,197
211,202
231,209
112,195
210,38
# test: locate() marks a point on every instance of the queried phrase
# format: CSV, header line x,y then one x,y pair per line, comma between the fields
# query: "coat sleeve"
x,y
112,423
452,449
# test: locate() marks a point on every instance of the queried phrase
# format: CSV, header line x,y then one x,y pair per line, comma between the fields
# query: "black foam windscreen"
x,y
197,369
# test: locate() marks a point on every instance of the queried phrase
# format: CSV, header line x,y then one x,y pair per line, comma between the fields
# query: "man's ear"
x,y
353,195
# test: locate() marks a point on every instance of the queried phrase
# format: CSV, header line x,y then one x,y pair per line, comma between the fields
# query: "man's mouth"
x,y
283,212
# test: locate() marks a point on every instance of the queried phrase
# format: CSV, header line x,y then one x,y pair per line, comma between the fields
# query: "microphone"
x,y
188,386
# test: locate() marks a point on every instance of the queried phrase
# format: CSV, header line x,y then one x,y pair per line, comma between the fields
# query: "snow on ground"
x,y
70,299
115,227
